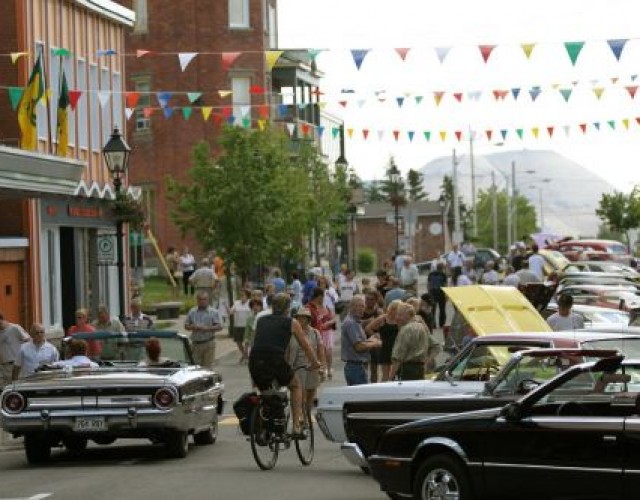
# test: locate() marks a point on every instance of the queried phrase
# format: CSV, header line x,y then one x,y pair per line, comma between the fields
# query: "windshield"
x,y
612,316
630,347
130,348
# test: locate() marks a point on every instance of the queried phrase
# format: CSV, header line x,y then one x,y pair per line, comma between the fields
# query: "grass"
x,y
157,289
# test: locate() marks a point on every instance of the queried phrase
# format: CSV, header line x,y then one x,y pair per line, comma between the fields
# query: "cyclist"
x,y
267,360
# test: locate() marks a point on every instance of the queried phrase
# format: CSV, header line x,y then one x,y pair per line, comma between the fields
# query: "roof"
x,y
418,208
110,9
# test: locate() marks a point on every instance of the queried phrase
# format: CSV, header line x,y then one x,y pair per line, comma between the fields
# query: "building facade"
x,y
58,225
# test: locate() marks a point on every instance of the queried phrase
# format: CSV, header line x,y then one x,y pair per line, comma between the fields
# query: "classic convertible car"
x,y
576,436
164,402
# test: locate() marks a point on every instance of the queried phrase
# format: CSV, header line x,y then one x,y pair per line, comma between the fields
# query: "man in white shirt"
x,y
409,276
12,336
455,258
78,359
536,262
35,353
565,318
490,275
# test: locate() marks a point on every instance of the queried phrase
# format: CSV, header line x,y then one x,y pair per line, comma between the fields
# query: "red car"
x,y
576,250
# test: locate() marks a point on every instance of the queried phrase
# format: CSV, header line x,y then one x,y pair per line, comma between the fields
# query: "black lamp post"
x,y
342,164
396,200
116,156
443,207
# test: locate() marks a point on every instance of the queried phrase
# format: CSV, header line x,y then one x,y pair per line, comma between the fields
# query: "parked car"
x,y
604,266
576,436
554,261
577,250
623,297
594,317
588,277
484,310
366,421
165,403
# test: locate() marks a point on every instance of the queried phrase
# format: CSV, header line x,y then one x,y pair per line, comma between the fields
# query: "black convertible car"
x,y
575,437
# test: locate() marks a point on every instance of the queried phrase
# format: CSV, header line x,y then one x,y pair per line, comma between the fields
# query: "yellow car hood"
x,y
496,309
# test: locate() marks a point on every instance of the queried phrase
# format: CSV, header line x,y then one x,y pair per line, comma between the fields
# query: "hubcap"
x,y
440,484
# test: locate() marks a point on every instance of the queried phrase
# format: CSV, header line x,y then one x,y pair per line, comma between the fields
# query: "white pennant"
x,y
290,128
380,134
186,58
128,112
103,97
244,110
566,129
361,102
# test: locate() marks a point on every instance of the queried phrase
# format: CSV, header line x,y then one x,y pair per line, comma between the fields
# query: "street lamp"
x,y
395,178
355,209
116,155
444,208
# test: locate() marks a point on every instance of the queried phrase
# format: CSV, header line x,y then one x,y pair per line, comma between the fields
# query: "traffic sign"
x,y
106,249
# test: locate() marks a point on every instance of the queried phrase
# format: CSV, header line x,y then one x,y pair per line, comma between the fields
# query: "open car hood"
x,y
496,309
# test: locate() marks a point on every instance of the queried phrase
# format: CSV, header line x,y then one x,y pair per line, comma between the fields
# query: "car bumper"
x,y
393,473
331,425
353,454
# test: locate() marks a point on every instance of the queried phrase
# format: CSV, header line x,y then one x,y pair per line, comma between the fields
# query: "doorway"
x,y
10,291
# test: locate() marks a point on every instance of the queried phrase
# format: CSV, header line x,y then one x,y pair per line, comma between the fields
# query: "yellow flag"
x,y
63,117
272,57
27,112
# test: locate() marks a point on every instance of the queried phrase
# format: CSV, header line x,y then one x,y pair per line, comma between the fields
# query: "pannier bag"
x,y
243,408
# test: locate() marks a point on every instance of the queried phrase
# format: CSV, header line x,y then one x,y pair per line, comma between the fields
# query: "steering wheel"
x,y
572,408
521,387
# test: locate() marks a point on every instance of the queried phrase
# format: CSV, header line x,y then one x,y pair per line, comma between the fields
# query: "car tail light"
x,y
164,398
14,402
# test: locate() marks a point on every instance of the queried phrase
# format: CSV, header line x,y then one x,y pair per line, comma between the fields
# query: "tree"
x,y
620,211
373,194
446,192
415,181
256,202
393,190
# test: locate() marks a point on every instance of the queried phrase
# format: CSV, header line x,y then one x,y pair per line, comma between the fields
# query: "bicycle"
x,y
269,429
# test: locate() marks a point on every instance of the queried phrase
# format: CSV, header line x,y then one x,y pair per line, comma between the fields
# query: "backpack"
x,y
243,408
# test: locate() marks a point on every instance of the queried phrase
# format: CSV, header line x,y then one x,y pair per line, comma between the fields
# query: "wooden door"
x,y
10,291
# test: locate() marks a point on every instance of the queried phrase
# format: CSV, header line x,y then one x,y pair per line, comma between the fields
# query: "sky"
x,y
423,25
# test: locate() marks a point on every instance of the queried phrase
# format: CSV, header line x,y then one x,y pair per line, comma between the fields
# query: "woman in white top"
x,y
330,294
187,265
240,311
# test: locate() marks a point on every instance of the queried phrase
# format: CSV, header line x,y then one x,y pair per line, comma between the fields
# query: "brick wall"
x,y
9,132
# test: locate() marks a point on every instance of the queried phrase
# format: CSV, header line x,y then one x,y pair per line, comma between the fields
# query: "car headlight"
x,y
165,398
14,402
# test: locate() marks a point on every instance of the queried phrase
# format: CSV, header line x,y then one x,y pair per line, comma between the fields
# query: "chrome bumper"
x,y
352,453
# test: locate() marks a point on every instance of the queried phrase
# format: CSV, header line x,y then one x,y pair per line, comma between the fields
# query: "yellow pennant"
x,y
625,123
350,132
272,57
527,48
17,55
443,135
262,124
206,112
598,91
224,93
535,131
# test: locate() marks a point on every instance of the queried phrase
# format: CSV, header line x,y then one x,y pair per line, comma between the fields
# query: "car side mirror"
x,y
512,412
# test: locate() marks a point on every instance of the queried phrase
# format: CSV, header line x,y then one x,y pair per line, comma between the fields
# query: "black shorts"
x,y
267,367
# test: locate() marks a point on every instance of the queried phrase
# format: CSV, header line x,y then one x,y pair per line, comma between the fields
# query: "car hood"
x,y
496,309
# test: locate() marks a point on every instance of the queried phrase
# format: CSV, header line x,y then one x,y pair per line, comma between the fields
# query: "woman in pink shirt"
x,y
82,326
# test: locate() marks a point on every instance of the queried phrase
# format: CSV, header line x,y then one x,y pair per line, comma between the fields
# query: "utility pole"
x,y
456,201
509,209
473,185
514,194
494,210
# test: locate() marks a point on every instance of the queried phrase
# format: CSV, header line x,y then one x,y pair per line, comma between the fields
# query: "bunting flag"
x,y
625,123
489,134
566,94
106,52
535,131
291,128
458,134
380,134
457,96
228,58
167,111
142,53
427,135
358,56
131,98
550,131
103,97
244,111
632,89
60,52
527,48
185,58
350,133
163,98
186,112
443,135
503,133
62,128
400,101
612,124
334,132
534,93
437,96
365,133
313,53
27,108
583,127
74,97
567,130
520,132
418,99
128,113
17,55
225,93
598,91
320,131
573,50
442,53
396,134
403,53
15,94
596,125
515,93
617,46
206,112
272,57
263,110
193,96
262,124
147,112
485,51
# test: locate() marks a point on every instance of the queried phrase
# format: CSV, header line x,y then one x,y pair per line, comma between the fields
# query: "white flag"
x,y
103,97
186,58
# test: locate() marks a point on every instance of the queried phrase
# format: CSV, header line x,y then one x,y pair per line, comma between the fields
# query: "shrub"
x,y
366,260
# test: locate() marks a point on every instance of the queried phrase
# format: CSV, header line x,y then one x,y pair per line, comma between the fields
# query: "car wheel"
x,y
177,444
75,444
442,476
104,440
209,436
37,448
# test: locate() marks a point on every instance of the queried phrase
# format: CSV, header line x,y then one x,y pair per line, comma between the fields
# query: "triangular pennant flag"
x,y
566,93
244,110
396,134
474,95
437,96
614,79
228,58
147,112
320,131
305,128
131,98
61,52
567,130
410,134
343,103
583,127
573,50
612,124
443,135
515,93
418,99
217,119
106,52
550,131
313,53
206,112
598,91
596,125
365,133
103,97
74,97
458,134
458,96
402,53
263,110
256,90
632,89
283,110
17,55
625,123
555,86
527,48
185,58
128,112
142,52
193,96
231,120
227,111
485,51
427,135
164,98
168,111
380,135
262,124
335,131
272,57
489,134
442,52
186,112
634,77
400,101
535,131
638,120
246,123
291,129
361,102
358,56
350,133
520,132
617,46
225,93
15,94
503,133
534,93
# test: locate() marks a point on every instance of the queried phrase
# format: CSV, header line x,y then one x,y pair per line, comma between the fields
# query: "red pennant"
x,y
217,118
343,103
458,96
365,133
583,127
458,135
638,120
74,96
615,79
396,134
486,50
489,134
227,111
263,110
228,58
550,131
132,99
256,89
147,112
632,89
402,53
305,128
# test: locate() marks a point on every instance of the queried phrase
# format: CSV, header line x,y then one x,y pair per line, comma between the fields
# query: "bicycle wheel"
x,y
264,446
304,447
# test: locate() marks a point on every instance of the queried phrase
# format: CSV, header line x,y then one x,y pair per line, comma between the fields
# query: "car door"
x,y
631,476
555,457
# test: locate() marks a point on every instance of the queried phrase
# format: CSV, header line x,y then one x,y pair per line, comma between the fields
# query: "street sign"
x,y
106,249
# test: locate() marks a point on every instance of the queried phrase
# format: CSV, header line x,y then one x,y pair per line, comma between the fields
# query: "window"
x,y
94,111
107,125
70,73
142,17
149,204
241,97
238,13
143,86
272,27
81,110
41,111
54,84
118,98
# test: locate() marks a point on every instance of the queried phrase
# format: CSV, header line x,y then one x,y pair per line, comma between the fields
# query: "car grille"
x,y
90,398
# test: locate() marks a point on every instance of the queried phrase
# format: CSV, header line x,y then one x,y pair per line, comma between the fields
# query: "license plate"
x,y
90,424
